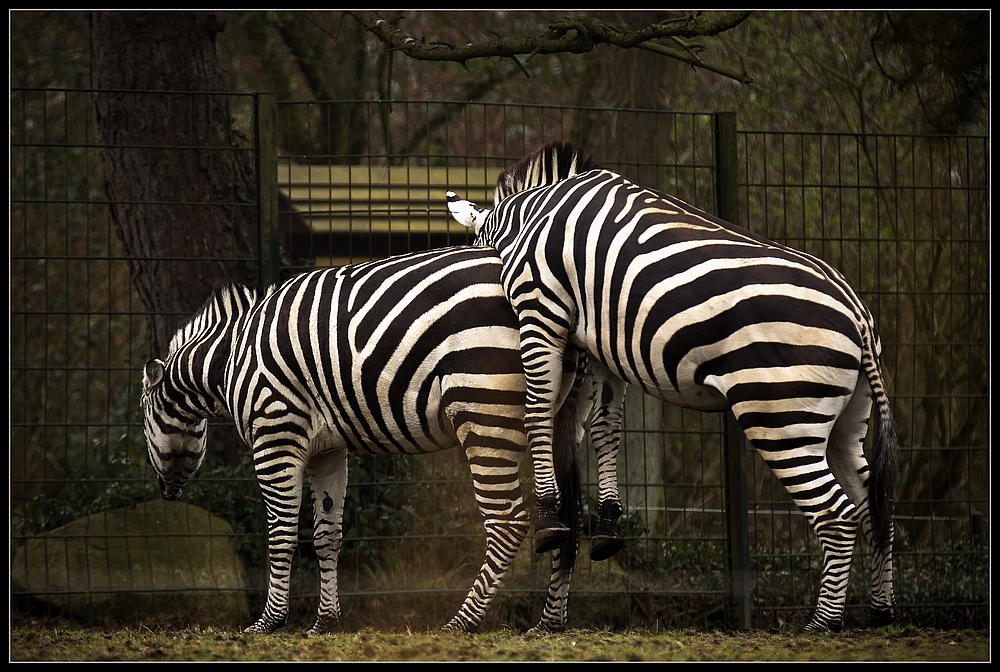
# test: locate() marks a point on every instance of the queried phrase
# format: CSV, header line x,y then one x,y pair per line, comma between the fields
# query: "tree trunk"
x,y
181,200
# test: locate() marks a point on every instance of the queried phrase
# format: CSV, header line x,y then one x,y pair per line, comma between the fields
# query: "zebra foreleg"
x,y
606,539
540,407
281,488
544,351
550,532
328,483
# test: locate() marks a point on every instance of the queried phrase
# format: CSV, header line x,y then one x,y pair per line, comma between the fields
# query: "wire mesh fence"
x,y
905,218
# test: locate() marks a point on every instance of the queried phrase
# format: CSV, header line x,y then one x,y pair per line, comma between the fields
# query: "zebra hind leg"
x,y
503,539
851,469
556,610
837,540
804,449
498,494
835,520
883,603
328,483
832,515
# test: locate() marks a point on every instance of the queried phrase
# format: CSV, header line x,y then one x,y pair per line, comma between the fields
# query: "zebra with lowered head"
x,y
705,315
409,355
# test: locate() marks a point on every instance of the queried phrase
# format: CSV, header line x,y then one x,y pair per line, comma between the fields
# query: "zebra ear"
x,y
152,374
466,212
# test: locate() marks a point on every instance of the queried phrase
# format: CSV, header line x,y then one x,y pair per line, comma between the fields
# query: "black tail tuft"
x,y
884,472
885,459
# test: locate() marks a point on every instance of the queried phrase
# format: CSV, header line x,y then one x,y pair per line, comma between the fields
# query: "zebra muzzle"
x,y
171,493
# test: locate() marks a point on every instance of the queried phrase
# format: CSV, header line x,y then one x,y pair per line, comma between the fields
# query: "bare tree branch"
x,y
575,35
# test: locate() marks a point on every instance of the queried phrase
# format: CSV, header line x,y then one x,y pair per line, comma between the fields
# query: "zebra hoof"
x,y
880,617
605,543
540,630
550,534
264,627
323,626
458,625
815,627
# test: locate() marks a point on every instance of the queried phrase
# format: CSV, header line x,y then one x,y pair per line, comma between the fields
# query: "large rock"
x,y
159,562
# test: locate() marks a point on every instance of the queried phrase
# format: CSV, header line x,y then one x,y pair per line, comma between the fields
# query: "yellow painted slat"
x,y
382,198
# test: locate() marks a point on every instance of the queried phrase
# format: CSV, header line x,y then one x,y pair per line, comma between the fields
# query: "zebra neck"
x,y
500,232
216,385
201,373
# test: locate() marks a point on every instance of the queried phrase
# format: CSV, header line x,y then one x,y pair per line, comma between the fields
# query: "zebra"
x,y
706,315
410,355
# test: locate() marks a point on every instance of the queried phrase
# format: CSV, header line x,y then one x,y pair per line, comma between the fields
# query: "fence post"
x,y
266,138
737,503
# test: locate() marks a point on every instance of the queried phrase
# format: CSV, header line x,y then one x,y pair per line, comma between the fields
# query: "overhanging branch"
x,y
574,35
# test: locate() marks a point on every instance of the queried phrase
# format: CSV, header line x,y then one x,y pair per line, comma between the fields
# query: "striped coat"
x,y
409,355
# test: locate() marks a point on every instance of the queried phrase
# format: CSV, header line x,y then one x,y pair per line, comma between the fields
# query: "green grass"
x,y
39,643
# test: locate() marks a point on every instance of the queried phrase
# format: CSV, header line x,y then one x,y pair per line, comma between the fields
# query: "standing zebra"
x,y
412,354
705,315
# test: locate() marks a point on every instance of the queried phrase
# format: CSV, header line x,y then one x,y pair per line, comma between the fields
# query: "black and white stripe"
x,y
705,315
413,354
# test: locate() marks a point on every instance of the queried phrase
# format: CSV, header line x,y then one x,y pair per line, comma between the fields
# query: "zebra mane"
x,y
547,165
225,303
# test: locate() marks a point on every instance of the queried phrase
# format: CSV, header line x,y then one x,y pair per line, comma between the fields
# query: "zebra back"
x,y
545,166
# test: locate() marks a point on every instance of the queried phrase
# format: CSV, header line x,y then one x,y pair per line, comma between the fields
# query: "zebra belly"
x,y
394,424
360,439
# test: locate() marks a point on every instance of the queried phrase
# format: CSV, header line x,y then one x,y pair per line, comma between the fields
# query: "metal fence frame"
x,y
761,581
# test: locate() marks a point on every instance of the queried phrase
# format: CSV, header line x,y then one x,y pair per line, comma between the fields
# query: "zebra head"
x,y
466,212
175,438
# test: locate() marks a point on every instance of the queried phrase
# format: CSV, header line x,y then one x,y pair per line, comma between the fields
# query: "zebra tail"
x,y
885,465
566,455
